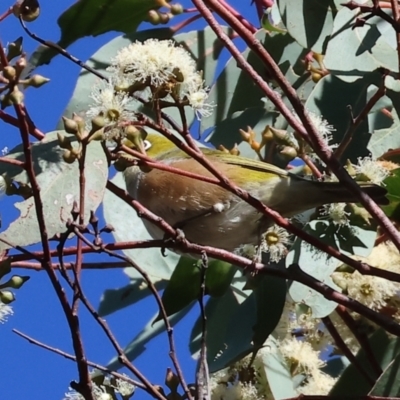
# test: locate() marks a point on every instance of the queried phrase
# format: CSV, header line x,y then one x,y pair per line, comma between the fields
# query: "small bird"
x,y
210,215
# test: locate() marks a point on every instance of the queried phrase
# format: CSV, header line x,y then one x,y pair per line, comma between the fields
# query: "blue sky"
x,y
27,371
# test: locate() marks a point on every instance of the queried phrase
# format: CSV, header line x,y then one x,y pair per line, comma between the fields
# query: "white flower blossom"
x,y
5,311
111,104
336,213
275,242
300,356
371,291
323,128
318,384
98,394
371,170
123,387
164,66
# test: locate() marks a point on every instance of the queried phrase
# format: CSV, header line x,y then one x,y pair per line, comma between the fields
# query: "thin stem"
x,y
345,349
361,338
73,358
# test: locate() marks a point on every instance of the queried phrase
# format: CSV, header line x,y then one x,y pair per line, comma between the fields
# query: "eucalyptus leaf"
x,y
183,288
59,188
309,22
351,382
332,98
128,227
114,300
319,266
218,312
138,344
94,17
354,52
274,368
392,184
239,335
270,298
388,384
219,275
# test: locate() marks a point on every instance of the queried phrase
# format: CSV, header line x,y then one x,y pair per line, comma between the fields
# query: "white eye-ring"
x,y
147,144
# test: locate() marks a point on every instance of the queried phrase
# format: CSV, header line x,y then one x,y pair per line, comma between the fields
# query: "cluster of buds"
x,y
11,78
15,282
133,137
156,17
319,71
284,142
233,151
77,127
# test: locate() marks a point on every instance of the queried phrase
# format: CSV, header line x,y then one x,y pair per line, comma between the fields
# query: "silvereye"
x,y
212,216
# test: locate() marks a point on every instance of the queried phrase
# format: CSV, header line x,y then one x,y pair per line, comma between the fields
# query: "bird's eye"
x,y
147,144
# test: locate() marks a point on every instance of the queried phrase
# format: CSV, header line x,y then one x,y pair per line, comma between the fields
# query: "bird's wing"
x,y
247,163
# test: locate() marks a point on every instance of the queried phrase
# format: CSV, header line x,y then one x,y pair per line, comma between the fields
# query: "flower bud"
x,y
14,49
316,77
136,136
9,72
164,17
222,148
153,17
16,96
289,153
70,125
63,141
176,9
256,146
36,81
6,296
98,123
171,380
16,281
248,135
235,150
21,64
267,135
69,157
28,10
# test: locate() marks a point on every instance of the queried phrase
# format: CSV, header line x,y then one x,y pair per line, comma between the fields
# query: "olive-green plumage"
x,y
212,216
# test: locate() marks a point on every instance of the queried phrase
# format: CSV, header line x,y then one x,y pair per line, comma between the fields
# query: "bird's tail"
x,y
337,193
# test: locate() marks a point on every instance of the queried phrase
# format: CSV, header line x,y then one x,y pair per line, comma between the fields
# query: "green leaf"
x,y
95,17
351,382
309,22
129,227
354,52
234,91
218,312
385,139
59,188
388,384
183,287
116,299
219,276
270,299
331,99
392,184
138,344
274,369
320,267
239,335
